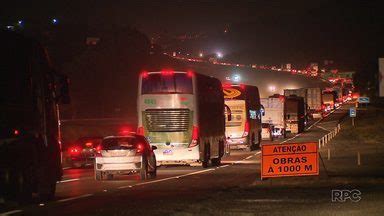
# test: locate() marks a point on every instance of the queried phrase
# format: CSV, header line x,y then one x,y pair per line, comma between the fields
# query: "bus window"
x,y
178,83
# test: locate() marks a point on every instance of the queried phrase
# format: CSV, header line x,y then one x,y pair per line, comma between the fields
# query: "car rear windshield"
x,y
119,143
177,83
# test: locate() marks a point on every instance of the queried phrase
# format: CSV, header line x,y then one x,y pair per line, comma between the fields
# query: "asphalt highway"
x,y
79,194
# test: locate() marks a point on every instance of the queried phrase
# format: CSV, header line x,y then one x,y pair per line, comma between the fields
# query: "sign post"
x,y
352,114
294,159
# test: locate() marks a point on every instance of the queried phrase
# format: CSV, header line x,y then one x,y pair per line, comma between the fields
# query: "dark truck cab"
x,y
294,114
30,90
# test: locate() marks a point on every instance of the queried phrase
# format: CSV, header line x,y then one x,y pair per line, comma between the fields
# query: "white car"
x,y
125,155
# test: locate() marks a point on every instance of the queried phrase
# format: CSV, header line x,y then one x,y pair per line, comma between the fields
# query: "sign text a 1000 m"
x,y
295,159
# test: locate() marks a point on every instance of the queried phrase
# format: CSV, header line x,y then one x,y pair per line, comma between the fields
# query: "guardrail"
x,y
329,136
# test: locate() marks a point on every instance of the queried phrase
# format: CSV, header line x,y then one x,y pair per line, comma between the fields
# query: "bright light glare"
x,y
236,78
200,54
219,55
272,88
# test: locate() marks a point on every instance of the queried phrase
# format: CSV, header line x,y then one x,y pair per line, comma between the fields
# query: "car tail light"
x,y
16,132
75,150
140,148
195,137
98,150
246,129
140,131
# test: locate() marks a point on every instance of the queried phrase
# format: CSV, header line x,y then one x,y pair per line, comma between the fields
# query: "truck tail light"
x,y
140,131
246,129
195,137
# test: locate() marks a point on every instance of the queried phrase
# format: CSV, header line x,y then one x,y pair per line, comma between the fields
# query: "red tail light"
x,y
167,72
16,132
89,144
98,150
140,148
246,129
75,150
195,137
144,74
190,74
140,131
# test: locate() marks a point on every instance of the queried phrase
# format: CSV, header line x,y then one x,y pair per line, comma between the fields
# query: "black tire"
x,y
98,175
144,169
207,155
48,192
46,184
26,185
216,161
153,174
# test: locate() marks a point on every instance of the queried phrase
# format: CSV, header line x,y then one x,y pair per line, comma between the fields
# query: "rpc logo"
x,y
343,195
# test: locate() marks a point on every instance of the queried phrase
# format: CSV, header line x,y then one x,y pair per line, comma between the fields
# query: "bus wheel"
x,y
207,156
216,161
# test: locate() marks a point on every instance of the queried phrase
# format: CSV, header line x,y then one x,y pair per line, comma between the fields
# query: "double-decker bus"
x,y
182,114
243,131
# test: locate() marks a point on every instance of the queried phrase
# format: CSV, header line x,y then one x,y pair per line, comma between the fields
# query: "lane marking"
x,y
249,157
166,179
74,198
68,180
11,212
322,128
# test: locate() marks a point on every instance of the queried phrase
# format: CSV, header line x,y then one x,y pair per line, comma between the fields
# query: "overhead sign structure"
x,y
352,112
363,100
294,159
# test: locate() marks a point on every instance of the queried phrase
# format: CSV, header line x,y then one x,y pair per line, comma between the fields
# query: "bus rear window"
x,y
178,83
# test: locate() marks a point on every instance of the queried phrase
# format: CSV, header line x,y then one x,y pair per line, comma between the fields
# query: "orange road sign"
x,y
293,159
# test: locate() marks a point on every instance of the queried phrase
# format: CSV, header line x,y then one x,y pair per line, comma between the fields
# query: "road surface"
x,y
79,194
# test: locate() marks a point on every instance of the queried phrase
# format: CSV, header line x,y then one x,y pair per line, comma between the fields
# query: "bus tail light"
x,y
195,137
140,131
246,129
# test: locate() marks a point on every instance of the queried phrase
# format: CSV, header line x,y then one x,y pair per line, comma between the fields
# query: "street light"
x,y
219,55
272,88
55,21
201,55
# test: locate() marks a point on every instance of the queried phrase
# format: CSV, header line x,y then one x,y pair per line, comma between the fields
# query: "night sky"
x,y
350,32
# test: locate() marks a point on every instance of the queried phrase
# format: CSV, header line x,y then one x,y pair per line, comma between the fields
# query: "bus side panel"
x,y
253,105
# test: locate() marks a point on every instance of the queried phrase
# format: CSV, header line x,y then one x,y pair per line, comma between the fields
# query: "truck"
x,y
301,92
30,91
243,131
329,100
312,100
274,114
294,114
